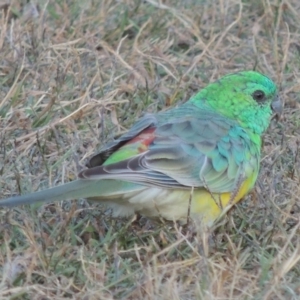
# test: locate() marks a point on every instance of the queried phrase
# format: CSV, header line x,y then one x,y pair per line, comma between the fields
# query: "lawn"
x,y
74,74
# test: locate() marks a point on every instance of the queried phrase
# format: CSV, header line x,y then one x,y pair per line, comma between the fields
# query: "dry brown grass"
x,y
75,73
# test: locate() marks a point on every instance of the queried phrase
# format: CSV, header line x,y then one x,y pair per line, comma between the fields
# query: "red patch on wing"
x,y
145,138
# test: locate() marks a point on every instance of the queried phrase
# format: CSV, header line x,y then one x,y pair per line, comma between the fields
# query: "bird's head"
x,y
247,97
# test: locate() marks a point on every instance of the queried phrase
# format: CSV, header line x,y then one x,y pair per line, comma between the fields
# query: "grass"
x,y
73,74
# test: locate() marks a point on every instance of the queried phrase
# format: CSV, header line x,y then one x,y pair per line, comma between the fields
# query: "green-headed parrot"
x,y
195,160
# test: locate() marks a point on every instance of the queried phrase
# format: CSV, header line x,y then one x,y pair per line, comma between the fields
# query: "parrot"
x,y
195,160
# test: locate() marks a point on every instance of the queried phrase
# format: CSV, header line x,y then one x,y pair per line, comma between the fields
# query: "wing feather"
x,y
193,148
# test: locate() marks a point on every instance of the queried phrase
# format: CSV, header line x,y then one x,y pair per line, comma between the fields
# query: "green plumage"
x,y
212,142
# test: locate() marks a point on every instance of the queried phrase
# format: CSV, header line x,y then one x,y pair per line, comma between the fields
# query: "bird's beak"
x,y
277,106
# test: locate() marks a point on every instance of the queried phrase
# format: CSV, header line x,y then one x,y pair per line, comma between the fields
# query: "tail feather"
x,y
82,188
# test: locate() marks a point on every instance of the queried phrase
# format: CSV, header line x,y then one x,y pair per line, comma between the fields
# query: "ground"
x,y
73,74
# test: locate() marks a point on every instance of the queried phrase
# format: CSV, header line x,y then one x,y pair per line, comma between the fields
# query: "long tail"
x,y
82,188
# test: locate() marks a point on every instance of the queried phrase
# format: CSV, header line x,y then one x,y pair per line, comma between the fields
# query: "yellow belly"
x,y
175,204
209,206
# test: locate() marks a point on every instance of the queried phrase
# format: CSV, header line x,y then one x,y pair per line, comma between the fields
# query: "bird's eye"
x,y
258,96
